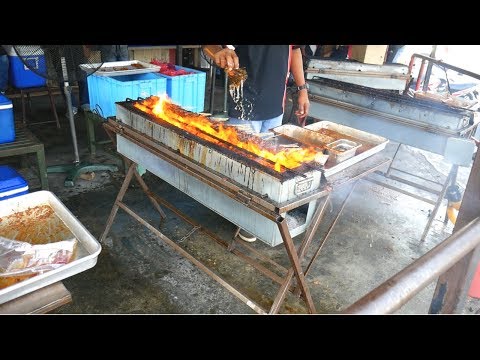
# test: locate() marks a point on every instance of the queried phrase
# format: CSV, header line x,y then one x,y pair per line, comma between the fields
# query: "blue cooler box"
x,y
20,76
105,91
188,91
7,125
11,183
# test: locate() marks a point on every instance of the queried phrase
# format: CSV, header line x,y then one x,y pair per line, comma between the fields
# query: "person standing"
x,y
268,68
111,53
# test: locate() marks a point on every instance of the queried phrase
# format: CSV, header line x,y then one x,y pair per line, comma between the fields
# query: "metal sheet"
x,y
388,76
88,247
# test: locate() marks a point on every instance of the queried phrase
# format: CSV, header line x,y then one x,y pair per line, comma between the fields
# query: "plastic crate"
x,y
11,183
7,125
105,91
187,91
20,76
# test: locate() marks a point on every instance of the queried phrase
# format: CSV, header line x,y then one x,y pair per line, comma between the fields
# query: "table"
x,y
26,143
92,119
40,301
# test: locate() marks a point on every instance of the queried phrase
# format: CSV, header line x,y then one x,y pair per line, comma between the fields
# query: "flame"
x,y
218,133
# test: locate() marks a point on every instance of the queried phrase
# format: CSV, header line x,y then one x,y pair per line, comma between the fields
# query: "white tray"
x,y
117,68
376,142
88,247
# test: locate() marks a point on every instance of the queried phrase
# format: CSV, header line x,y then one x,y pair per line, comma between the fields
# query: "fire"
x,y
218,133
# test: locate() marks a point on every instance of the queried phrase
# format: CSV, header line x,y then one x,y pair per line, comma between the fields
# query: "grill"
x,y
256,178
254,173
424,124
275,188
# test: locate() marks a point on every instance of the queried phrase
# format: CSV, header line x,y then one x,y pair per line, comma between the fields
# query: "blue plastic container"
x,y
7,125
188,91
11,183
20,76
105,91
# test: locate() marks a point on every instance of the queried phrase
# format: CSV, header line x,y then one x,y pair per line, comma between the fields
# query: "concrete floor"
x,y
377,235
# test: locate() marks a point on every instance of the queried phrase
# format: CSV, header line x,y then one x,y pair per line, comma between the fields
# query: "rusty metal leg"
x,y
439,202
232,244
296,269
54,108
145,189
118,200
387,173
452,286
315,222
332,225
147,192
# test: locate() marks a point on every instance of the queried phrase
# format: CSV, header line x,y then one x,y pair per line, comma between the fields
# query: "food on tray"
x,y
169,69
132,66
31,243
9,281
20,260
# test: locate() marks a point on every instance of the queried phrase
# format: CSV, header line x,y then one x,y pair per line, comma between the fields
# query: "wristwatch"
x,y
301,87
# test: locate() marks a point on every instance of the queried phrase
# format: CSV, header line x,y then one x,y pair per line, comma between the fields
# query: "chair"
x,y
37,91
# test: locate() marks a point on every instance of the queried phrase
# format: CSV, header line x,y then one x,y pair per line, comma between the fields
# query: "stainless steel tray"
x,y
61,226
117,68
310,135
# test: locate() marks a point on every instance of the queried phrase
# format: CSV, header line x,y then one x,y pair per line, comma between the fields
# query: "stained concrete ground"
x,y
377,235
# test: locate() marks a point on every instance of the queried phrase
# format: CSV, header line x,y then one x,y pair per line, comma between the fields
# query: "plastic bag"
x,y
20,259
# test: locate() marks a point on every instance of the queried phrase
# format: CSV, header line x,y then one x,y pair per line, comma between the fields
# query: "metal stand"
x,y
450,180
259,205
212,88
224,113
77,168
293,255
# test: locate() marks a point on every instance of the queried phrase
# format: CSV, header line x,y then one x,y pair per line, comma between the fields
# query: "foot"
x,y
246,236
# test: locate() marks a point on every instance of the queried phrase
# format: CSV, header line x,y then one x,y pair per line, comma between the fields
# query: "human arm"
x,y
296,67
223,57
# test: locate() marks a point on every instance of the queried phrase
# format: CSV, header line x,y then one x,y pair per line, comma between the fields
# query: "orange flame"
x,y
200,126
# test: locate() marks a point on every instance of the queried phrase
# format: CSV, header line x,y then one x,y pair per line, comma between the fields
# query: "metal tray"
x,y
117,68
343,149
62,226
310,135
